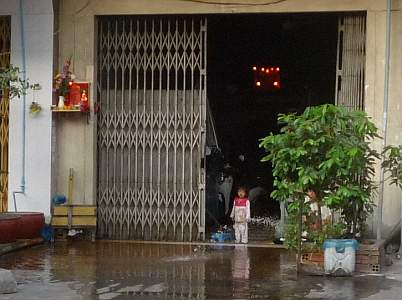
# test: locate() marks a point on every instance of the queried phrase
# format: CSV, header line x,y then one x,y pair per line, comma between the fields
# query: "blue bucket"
x,y
221,237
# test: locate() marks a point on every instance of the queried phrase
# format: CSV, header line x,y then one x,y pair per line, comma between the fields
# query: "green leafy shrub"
x,y
326,149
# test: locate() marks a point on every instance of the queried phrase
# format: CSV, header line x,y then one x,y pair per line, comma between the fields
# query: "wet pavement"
x,y
113,270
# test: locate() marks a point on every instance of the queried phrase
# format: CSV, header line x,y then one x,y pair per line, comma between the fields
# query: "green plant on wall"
x,y
10,80
392,163
326,149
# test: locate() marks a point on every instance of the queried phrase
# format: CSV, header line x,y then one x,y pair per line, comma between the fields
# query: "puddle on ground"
x,y
114,270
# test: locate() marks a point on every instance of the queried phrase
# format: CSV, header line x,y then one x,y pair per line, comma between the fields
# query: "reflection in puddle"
x,y
113,270
241,273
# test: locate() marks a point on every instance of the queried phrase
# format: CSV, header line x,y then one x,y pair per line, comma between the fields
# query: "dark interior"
x,y
303,46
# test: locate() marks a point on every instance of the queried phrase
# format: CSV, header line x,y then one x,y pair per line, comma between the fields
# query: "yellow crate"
x,y
78,215
76,210
77,221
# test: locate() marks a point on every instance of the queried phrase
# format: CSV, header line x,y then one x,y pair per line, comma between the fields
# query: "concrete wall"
x,y
38,18
392,195
131,7
75,144
77,38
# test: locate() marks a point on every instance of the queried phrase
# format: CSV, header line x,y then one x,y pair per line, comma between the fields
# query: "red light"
x,y
267,71
277,69
272,69
70,83
255,68
258,83
262,69
276,83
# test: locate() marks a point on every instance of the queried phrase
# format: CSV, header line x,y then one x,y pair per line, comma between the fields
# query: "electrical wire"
x,y
83,7
235,3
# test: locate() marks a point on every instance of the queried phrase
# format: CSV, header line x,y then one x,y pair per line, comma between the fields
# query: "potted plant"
x,y
35,108
325,150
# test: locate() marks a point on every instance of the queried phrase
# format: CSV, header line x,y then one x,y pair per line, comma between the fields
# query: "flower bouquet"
x,y
62,83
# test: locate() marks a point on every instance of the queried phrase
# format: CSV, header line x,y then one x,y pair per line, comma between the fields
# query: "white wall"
x,y
38,27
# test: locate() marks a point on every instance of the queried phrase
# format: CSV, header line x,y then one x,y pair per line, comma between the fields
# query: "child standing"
x,y
241,215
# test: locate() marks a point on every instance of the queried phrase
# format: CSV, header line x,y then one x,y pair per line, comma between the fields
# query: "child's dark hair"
x,y
242,188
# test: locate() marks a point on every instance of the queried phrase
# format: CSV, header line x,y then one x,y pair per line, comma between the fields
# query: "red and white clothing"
x,y
241,215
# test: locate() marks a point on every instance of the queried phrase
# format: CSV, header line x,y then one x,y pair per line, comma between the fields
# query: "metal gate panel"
x,y
5,38
351,60
151,127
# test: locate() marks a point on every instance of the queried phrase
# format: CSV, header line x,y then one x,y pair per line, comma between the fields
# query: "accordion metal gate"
x,y
151,90
351,61
5,41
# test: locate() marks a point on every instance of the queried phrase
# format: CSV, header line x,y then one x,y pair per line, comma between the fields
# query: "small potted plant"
x,y
35,108
325,150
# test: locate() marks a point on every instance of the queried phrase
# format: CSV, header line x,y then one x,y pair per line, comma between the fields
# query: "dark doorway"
x,y
303,47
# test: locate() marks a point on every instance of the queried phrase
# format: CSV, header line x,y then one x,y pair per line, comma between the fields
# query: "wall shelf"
x,y
68,111
64,110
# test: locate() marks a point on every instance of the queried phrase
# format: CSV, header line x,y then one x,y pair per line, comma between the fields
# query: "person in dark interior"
x,y
214,201
242,169
226,185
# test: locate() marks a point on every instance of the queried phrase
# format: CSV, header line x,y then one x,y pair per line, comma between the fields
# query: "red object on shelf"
x,y
8,227
75,94
84,106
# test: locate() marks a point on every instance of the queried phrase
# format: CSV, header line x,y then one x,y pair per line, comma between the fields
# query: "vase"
x,y
60,104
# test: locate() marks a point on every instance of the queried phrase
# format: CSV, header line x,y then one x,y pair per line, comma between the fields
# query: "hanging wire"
x,y
83,7
235,3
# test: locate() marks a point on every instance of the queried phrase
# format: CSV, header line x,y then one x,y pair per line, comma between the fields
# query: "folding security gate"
x,y
5,38
351,60
151,127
